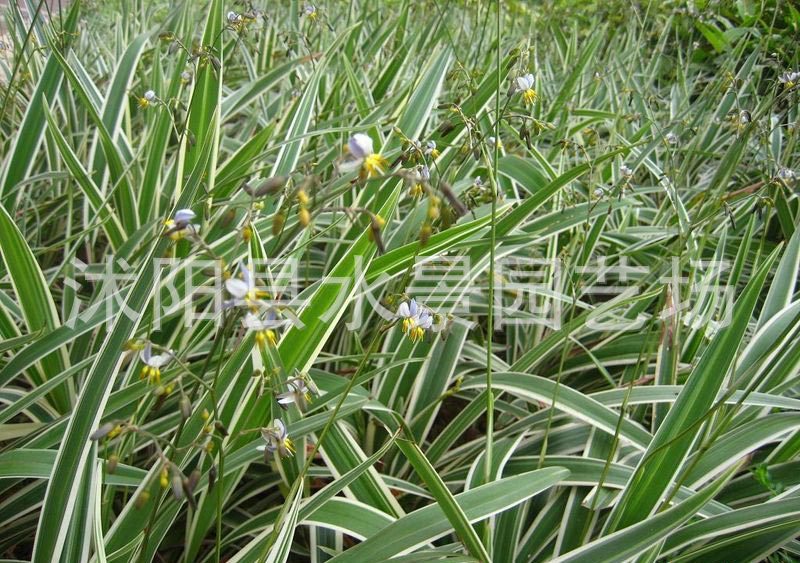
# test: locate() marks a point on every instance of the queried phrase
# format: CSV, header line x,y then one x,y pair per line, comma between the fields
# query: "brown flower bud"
x,y
221,429
267,186
452,199
212,477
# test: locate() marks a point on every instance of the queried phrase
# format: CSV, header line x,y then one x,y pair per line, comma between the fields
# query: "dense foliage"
x,y
408,280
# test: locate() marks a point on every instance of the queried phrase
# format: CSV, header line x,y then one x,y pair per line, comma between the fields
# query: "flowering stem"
x,y
318,444
487,465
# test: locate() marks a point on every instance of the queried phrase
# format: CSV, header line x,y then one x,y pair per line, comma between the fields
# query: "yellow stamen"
x,y
416,334
529,96
375,164
289,445
144,103
264,337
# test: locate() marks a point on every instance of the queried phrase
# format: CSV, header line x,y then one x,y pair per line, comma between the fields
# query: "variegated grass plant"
x,y
404,280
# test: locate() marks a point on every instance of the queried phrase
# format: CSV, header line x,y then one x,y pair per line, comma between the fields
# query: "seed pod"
x,y
267,186
451,197
212,477
189,496
221,429
445,127
186,407
375,234
191,482
103,431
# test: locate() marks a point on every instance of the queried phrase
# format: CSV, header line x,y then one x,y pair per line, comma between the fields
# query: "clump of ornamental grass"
x,y
382,280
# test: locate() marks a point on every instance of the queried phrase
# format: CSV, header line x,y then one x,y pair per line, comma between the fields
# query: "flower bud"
x,y
302,198
278,221
177,486
142,499
111,463
185,406
303,217
425,234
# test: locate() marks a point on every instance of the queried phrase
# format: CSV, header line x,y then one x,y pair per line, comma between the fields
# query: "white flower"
x,y
277,440
180,226
150,96
233,17
525,82
744,116
789,78
786,174
264,328
310,10
364,156
243,291
494,142
416,319
183,216
153,363
360,145
478,182
298,393
599,192
625,171
424,173
186,76
671,138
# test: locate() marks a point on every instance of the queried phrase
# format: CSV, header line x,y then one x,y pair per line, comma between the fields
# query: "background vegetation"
x,y
657,424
